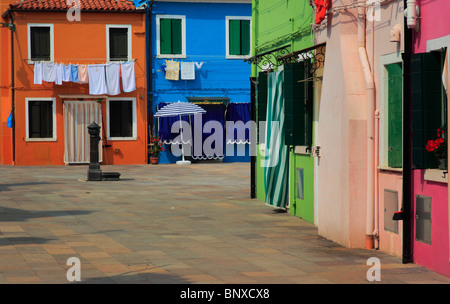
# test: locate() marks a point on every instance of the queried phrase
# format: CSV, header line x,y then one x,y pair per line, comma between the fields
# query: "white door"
x,y
78,115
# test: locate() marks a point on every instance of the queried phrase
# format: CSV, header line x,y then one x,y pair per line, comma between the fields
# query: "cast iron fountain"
x,y
94,172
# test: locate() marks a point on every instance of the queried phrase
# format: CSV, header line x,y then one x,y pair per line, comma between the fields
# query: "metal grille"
x,y
390,207
423,219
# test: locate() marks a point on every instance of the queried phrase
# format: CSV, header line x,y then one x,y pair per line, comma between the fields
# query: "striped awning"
x,y
179,108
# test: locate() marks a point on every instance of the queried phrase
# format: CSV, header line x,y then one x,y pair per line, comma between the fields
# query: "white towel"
x,y
49,72
187,71
113,78
128,77
59,73
97,79
38,72
66,74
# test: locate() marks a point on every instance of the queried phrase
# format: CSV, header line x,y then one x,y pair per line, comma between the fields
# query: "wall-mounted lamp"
x,y
395,33
411,13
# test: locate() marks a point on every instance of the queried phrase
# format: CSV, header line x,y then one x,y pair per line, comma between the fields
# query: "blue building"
x,y
197,52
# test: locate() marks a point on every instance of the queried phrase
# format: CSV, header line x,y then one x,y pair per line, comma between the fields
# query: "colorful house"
x,y
430,38
197,55
103,42
283,75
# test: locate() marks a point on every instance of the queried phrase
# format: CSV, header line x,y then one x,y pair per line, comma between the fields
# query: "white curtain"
x,y
78,115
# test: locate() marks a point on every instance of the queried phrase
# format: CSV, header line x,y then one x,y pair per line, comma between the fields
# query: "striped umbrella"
x,y
179,109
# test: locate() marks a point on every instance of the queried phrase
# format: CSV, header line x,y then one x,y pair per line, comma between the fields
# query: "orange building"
x,y
51,115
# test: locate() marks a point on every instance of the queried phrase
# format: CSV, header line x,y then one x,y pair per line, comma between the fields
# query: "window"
x,y
395,115
429,105
118,38
40,42
391,112
40,119
298,96
121,119
171,36
238,35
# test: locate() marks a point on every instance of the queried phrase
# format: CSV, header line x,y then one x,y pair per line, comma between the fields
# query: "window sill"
x,y
237,56
40,139
121,138
168,56
435,175
400,170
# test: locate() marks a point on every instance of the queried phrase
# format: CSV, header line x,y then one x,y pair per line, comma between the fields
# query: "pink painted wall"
x,y
434,22
436,255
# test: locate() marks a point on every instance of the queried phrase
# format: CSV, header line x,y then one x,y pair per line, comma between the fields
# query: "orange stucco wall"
x,y
81,42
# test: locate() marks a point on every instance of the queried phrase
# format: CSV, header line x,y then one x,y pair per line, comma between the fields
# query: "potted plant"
x,y
439,147
155,147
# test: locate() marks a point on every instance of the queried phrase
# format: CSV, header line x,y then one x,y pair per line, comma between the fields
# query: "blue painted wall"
x,y
205,42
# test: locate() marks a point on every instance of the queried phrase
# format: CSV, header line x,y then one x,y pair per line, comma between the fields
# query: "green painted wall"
x,y
304,206
277,23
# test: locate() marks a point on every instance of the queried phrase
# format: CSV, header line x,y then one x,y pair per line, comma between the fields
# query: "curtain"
x,y
276,153
214,112
78,115
238,112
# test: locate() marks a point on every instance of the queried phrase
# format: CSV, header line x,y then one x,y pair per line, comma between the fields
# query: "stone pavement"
x,y
168,224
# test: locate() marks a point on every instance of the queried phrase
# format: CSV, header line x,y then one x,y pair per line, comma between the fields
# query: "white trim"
x,y
134,137
438,43
27,137
50,25
127,26
227,34
385,60
183,36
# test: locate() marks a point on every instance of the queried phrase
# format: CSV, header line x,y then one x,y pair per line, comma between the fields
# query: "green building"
x,y
282,64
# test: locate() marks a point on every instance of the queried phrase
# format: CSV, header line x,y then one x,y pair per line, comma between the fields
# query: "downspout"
x,y
148,45
370,100
13,92
407,256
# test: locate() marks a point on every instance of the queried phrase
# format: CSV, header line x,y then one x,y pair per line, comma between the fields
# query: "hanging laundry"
x,y
187,71
128,76
74,72
172,70
82,74
97,79
113,78
38,72
49,72
67,72
199,65
321,9
59,73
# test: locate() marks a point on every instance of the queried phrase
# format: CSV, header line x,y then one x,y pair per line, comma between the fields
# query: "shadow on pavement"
x,y
18,215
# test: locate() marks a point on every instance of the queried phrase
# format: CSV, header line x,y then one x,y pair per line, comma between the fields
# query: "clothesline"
x,y
102,78
76,59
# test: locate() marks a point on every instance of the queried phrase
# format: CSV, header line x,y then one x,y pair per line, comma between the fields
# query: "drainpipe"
x,y
370,100
407,256
13,92
377,215
148,45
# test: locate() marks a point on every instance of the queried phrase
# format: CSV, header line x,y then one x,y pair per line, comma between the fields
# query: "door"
x,y
78,115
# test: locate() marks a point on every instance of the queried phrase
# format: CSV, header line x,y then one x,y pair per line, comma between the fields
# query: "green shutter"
x,y
298,94
245,37
262,96
176,37
40,43
395,117
426,86
234,37
165,26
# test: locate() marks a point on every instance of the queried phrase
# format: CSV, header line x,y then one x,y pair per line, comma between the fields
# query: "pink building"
x,y
430,39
